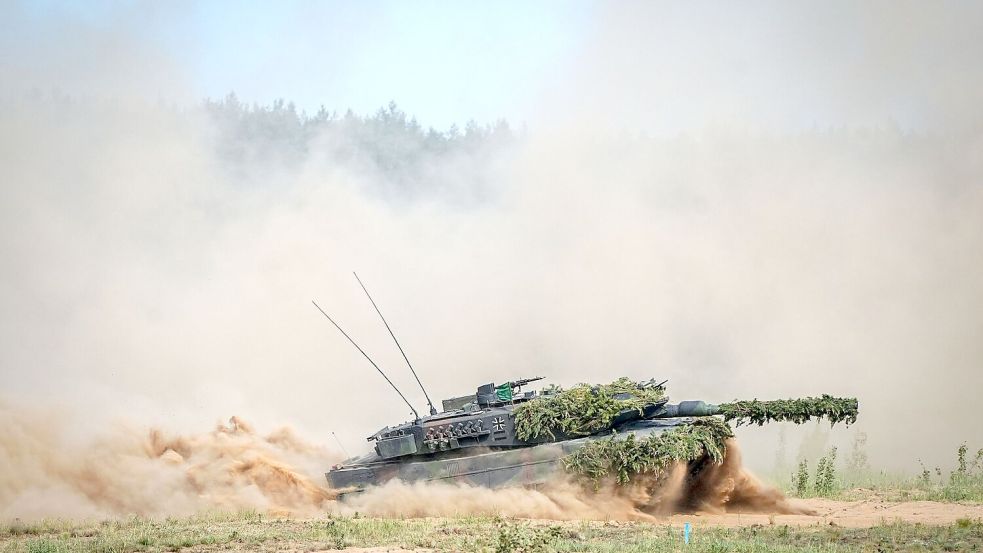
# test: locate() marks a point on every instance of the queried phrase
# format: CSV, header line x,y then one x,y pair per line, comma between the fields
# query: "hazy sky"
x,y
446,62
650,65
140,274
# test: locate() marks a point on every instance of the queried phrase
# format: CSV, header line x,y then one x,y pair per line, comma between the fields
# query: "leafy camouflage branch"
x,y
834,409
582,410
624,458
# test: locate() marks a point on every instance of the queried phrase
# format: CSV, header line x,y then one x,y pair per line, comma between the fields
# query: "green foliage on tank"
x,y
582,410
623,458
834,409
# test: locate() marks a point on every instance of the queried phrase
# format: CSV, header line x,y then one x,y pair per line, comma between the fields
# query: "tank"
x,y
476,440
501,436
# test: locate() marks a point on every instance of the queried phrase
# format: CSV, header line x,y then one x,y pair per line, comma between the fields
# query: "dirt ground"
x,y
849,514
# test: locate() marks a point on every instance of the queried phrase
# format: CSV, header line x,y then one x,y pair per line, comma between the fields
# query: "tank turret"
x,y
479,419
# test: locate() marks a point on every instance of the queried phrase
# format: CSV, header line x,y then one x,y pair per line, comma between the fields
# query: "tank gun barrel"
x,y
834,409
688,409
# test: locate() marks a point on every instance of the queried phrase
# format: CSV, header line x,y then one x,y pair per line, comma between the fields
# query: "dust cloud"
x,y
44,473
725,488
729,487
233,467
802,221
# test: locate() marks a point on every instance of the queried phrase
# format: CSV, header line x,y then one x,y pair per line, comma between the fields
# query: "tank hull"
x,y
522,466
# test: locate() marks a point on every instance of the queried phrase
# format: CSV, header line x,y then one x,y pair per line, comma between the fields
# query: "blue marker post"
x,y
686,533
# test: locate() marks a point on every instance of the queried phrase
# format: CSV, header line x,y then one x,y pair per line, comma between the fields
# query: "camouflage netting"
x,y
585,410
582,410
654,455
834,409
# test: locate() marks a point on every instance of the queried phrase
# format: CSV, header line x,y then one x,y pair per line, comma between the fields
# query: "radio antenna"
x,y
408,364
360,350
341,445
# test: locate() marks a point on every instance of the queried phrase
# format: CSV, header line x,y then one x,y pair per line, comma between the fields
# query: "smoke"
x,y
126,471
833,244
779,66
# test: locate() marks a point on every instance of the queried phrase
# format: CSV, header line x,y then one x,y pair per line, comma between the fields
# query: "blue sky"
x,y
443,61
655,66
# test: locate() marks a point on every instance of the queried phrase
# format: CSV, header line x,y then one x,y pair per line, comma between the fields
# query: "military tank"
x,y
489,438
501,436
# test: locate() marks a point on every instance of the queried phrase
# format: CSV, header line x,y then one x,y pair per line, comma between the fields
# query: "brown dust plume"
x,y
123,471
151,473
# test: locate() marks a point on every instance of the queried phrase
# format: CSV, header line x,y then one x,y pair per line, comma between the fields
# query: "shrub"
x,y
801,479
826,474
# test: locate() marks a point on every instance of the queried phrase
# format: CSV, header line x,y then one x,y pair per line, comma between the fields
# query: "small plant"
x,y
801,479
825,482
42,546
961,466
337,532
925,478
966,481
519,538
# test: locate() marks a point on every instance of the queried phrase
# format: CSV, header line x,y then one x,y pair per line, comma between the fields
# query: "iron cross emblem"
x,y
499,423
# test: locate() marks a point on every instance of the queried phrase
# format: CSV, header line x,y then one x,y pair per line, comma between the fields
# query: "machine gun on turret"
x,y
523,381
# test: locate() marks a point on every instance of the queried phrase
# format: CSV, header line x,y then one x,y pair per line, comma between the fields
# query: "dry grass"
x,y
255,532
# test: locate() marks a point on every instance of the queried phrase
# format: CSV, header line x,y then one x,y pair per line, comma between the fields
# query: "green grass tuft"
x,y
523,538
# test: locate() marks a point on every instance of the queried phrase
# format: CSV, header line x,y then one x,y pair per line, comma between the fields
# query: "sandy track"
x,y
851,514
